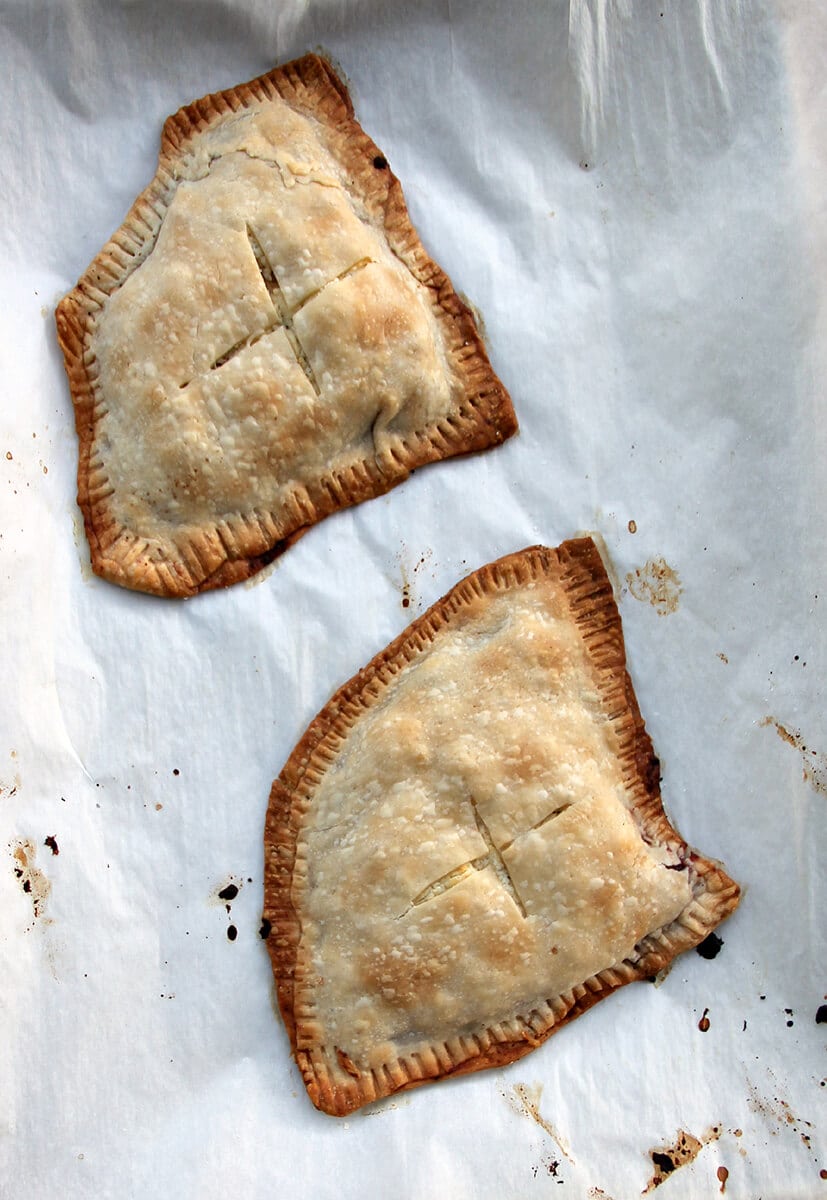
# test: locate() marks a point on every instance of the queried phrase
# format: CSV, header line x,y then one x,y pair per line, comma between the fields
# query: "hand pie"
x,y
263,341
467,848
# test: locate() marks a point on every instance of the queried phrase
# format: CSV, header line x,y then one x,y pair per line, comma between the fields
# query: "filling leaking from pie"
x,y
262,342
467,848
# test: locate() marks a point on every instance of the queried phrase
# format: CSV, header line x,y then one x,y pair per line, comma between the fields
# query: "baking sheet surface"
x,y
632,196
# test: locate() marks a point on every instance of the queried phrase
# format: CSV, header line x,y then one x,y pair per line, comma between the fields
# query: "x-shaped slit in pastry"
x,y
492,858
284,314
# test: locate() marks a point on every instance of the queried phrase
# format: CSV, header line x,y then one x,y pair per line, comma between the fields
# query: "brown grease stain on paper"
x,y
686,1148
779,1110
656,583
409,596
225,893
525,1101
34,883
814,764
10,789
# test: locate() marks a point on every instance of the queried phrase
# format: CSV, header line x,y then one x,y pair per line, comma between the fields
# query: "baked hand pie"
x,y
467,848
262,342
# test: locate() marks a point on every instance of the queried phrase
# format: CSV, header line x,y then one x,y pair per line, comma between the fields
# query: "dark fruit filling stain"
x,y
663,1162
710,947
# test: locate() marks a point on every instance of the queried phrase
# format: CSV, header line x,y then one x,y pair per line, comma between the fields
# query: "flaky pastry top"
x,y
263,341
467,847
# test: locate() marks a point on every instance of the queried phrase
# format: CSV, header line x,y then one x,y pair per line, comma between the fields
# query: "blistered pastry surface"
x,y
487,833
216,410
263,341
467,847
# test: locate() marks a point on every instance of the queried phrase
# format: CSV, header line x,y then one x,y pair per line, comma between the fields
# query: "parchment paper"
x,y
632,195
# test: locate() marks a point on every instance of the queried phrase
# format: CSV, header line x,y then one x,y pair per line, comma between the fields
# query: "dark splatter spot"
x,y
822,1174
667,1159
51,842
175,771
710,947
723,1176
266,928
815,773
663,1162
821,1014
232,933
27,886
229,892
703,1024
380,162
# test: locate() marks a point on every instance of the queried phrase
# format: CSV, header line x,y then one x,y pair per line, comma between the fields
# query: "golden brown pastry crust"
x,y
232,544
339,1080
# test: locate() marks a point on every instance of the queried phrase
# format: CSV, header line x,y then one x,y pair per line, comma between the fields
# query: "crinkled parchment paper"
x,y
632,195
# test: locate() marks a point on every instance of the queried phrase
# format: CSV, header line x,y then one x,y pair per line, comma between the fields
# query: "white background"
x,y
633,197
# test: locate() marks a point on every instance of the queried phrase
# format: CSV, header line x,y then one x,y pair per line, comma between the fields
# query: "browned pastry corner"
x,y
264,341
467,848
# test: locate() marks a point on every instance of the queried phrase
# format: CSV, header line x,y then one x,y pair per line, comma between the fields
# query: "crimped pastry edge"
x,y
331,1083
242,543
